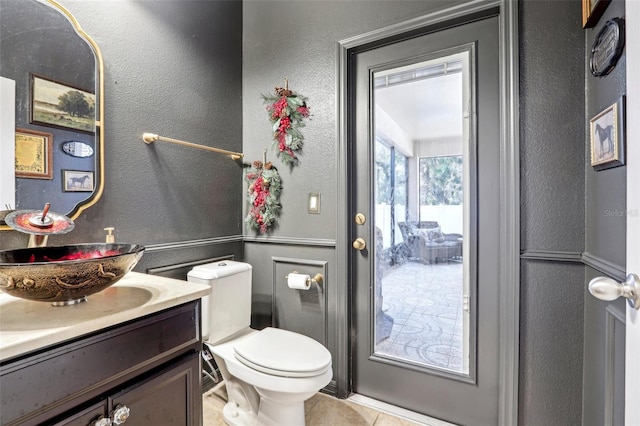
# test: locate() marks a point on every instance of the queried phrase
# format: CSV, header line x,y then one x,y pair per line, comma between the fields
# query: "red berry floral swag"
x,y
264,196
287,114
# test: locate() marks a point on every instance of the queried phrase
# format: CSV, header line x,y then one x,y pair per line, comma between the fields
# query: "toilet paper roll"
x,y
298,281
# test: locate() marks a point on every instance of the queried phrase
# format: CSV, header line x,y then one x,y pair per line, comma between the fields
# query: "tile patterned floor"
x,y
320,410
425,302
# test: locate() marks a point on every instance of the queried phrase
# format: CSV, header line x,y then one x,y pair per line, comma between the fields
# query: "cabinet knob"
x,y
101,421
120,414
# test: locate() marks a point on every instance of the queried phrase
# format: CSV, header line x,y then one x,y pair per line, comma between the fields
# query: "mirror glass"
x,y
58,144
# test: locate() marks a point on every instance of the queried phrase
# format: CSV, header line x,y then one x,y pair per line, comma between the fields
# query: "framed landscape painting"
x,y
61,105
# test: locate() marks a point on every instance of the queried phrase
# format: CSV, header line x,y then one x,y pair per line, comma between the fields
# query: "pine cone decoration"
x,y
283,92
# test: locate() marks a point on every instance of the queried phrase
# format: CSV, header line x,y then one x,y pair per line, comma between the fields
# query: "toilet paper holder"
x,y
317,278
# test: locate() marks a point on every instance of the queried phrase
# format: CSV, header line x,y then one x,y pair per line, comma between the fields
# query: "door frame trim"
x,y
509,209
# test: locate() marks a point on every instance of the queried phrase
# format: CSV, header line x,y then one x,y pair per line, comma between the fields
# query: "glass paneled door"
x,y
426,161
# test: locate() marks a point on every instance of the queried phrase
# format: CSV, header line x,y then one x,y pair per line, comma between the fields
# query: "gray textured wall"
x,y
172,68
281,40
605,207
298,41
605,189
550,343
552,128
552,211
568,214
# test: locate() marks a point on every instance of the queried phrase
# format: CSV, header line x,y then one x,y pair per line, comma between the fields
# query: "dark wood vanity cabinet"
x,y
165,398
150,366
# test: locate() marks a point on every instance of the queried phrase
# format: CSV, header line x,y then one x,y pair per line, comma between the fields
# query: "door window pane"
x,y
420,301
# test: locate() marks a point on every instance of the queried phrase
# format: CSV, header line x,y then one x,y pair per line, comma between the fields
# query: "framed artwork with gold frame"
x,y
34,154
61,105
592,10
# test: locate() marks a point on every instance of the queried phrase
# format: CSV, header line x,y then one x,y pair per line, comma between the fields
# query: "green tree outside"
x,y
441,180
75,103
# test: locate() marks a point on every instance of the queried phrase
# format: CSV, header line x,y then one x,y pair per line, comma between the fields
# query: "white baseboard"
x,y
397,411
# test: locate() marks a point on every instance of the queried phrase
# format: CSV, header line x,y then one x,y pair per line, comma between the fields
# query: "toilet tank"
x,y
227,310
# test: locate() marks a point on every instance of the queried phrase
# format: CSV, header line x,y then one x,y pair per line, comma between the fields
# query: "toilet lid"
x,y
283,353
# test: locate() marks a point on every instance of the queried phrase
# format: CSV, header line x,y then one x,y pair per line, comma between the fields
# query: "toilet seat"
x,y
283,353
226,356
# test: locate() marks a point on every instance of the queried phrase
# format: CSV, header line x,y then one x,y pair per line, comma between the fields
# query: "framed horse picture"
x,y
607,137
77,181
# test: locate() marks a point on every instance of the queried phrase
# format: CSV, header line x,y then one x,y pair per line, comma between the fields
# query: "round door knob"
x,y
608,289
102,421
359,244
120,414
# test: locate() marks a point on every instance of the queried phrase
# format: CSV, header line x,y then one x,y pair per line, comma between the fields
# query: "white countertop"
x,y
26,326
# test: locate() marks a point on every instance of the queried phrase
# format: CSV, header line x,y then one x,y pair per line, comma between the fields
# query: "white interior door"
x,y
632,367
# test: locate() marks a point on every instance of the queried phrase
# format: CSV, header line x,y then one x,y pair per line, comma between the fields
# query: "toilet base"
x,y
234,417
284,410
270,413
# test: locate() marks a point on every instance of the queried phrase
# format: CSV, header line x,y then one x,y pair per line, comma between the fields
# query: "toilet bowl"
x,y
268,373
248,365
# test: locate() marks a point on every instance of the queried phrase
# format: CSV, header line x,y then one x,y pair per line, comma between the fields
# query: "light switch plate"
x,y
313,205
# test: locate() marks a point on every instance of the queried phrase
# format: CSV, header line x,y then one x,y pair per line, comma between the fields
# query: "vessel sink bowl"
x,y
65,274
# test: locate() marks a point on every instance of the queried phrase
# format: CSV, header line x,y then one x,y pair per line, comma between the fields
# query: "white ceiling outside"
x,y
425,109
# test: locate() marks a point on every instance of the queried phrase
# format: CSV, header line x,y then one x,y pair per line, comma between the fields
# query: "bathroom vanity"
x,y
132,350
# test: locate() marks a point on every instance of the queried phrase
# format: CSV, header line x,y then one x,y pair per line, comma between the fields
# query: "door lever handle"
x,y
359,244
608,289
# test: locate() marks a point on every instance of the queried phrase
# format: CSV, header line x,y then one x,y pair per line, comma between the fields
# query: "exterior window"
x,y
441,191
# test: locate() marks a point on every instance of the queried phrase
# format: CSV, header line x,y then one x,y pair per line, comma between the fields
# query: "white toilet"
x,y
269,373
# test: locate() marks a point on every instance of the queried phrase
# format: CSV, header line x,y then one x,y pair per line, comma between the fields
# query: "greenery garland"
x,y
287,112
264,196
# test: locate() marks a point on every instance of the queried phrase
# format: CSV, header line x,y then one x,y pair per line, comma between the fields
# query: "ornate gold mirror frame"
x,y
99,164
